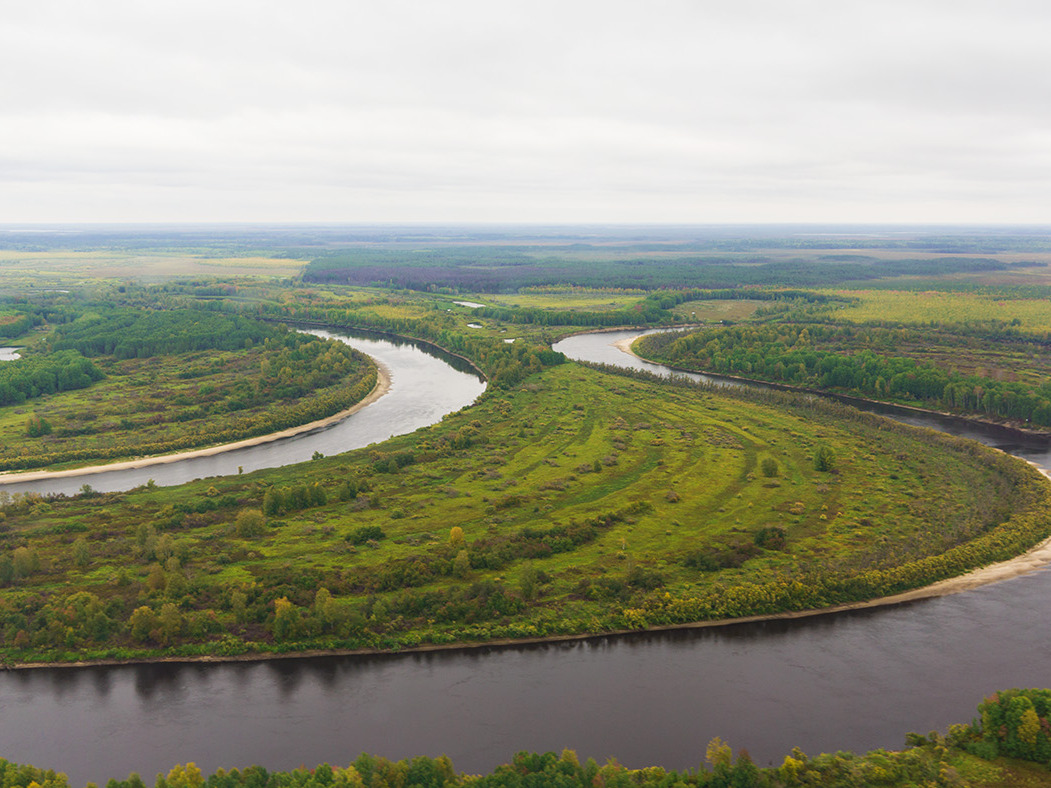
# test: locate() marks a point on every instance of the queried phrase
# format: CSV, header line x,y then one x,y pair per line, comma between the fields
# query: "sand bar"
x,y
382,386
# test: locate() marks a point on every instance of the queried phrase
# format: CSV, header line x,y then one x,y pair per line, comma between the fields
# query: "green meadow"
x,y
578,502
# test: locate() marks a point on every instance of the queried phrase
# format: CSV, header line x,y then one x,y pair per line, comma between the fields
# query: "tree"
x,y
37,427
25,562
142,623
249,522
456,536
286,619
81,555
170,623
769,467
461,564
824,458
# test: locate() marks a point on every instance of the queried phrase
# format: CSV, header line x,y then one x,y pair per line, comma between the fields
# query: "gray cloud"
x,y
574,111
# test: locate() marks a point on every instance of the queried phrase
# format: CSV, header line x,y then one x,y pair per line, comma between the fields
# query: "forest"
x,y
156,381
933,367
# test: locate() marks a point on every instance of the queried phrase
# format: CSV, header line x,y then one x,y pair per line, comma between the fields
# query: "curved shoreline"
x,y
383,380
1037,557
624,345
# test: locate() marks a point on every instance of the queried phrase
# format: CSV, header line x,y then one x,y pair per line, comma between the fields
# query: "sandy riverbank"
x,y
1036,558
382,386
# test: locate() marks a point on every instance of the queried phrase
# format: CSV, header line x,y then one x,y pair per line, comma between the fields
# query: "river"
x,y
425,385
855,680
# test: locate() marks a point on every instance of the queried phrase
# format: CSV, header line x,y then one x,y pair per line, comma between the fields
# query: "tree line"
x,y
125,332
853,360
34,376
1012,723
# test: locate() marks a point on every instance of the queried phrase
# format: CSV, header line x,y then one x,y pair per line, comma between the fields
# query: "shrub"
x,y
365,533
824,459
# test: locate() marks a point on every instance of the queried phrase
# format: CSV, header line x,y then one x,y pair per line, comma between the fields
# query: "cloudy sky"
x,y
679,111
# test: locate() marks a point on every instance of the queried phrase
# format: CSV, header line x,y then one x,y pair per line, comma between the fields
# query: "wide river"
x,y
848,681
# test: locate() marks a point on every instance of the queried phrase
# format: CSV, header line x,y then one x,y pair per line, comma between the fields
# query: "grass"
x,y
71,268
666,476
712,311
184,400
907,306
571,298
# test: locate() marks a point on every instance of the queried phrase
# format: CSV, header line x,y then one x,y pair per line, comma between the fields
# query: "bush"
x,y
365,533
824,459
249,522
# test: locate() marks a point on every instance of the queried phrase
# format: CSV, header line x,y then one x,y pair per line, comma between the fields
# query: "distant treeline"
x,y
15,323
35,376
505,269
136,333
1013,723
652,310
854,360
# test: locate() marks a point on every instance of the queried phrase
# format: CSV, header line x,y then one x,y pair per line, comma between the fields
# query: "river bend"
x,y
856,680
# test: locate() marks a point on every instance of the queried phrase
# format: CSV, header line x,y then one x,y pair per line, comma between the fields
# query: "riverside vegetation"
x,y
1008,744
112,383
567,501
987,369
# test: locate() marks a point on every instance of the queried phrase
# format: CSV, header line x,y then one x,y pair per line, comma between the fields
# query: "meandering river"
x,y
855,680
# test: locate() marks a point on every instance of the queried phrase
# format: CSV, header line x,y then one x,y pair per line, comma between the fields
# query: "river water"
x,y
856,680
425,385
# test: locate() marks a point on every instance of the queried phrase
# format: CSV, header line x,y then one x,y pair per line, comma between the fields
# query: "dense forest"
x,y
137,333
474,269
35,376
876,362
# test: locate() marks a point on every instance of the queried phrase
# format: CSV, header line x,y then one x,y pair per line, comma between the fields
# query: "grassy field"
x,y
714,311
560,507
21,270
908,306
578,299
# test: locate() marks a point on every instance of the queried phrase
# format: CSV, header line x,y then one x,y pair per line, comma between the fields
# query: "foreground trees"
x,y
1013,723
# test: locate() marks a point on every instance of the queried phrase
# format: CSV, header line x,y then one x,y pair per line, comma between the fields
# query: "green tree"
x,y
25,562
81,554
286,619
824,458
249,522
142,623
461,564
170,623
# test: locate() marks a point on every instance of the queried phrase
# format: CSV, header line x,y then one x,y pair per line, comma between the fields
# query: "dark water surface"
x,y
855,681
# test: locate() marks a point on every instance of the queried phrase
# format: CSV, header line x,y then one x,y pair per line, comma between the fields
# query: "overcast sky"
x,y
493,111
